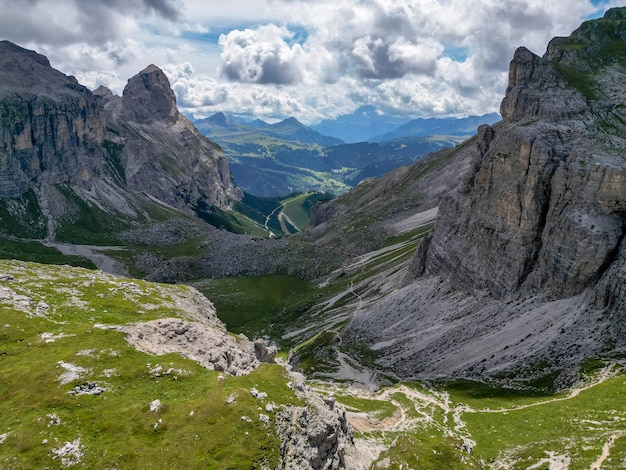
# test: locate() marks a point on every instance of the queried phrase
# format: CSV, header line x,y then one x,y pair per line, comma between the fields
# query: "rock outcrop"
x,y
67,150
211,347
161,152
525,266
316,436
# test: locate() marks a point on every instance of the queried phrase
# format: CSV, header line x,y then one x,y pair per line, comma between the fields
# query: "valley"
x,y
270,160
388,308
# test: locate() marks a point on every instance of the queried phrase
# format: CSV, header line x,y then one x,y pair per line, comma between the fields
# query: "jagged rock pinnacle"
x,y
148,97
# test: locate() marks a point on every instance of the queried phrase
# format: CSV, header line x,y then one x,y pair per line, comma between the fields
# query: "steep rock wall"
x,y
525,267
50,126
78,150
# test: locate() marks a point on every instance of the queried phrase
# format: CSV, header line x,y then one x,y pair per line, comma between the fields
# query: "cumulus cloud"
x,y
260,55
311,59
76,21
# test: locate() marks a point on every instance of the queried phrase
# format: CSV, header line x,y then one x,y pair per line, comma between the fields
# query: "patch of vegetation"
x,y
378,408
579,80
426,450
257,306
259,209
22,217
228,220
113,161
193,426
576,426
480,394
298,207
90,225
316,355
27,250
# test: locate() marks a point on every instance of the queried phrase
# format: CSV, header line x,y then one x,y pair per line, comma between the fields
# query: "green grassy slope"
x,y
54,330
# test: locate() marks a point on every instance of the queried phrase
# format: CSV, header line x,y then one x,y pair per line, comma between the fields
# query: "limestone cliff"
x,y
162,152
51,127
526,265
69,151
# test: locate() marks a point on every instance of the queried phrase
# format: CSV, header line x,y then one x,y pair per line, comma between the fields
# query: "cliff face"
x,y
533,235
113,153
51,127
544,206
162,152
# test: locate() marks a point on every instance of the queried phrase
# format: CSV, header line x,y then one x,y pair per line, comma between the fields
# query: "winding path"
x,y
402,422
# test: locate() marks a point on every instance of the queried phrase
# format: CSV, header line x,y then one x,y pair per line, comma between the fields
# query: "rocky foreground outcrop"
x,y
316,436
526,267
68,152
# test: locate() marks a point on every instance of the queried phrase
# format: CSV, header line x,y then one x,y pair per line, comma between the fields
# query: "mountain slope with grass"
x,y
87,357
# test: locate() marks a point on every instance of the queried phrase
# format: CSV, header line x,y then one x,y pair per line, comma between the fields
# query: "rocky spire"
x,y
148,97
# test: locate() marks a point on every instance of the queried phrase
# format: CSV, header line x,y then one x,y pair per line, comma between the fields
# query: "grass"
x,y
22,217
379,408
578,426
90,225
194,424
577,79
295,210
481,395
26,250
256,306
298,207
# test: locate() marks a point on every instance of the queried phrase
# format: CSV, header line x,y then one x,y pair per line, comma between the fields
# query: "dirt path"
x,y
267,221
94,253
402,421
284,219
606,450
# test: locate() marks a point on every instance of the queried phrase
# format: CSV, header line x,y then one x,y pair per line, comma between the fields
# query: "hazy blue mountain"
x,y
360,126
438,126
289,129
258,123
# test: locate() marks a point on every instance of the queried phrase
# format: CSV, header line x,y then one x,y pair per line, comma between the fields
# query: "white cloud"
x,y
260,55
310,59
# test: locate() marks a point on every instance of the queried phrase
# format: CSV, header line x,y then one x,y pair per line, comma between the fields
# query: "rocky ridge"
x,y
68,150
524,269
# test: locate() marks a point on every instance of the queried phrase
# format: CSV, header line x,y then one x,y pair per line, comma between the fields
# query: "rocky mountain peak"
x,y
148,97
573,76
8,49
218,118
25,71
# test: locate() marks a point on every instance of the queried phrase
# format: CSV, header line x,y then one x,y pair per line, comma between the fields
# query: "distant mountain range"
x,y
289,129
367,124
360,126
276,159
437,126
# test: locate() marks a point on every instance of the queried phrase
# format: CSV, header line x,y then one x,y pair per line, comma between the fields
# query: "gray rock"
x,y
314,437
116,153
201,341
526,266
88,388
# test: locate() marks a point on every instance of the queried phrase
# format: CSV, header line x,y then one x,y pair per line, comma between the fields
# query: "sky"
x,y
310,59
